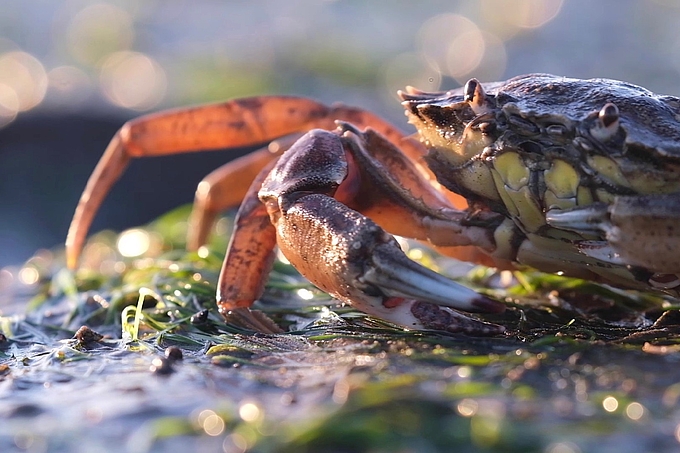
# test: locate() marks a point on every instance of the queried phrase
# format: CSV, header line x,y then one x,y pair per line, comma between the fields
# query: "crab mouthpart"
x,y
447,127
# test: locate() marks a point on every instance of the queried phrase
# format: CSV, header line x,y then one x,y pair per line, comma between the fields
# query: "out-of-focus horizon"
x,y
72,71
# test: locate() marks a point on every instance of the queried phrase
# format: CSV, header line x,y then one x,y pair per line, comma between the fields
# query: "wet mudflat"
x,y
581,367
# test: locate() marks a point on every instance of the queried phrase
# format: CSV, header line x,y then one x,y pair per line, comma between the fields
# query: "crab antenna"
x,y
475,96
411,95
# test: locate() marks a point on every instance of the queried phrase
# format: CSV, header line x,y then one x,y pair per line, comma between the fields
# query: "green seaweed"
x,y
580,363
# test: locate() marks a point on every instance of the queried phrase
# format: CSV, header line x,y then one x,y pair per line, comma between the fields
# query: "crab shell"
x,y
539,148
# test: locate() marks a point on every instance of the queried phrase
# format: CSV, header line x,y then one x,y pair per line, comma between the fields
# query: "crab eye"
x,y
609,114
475,95
607,123
470,88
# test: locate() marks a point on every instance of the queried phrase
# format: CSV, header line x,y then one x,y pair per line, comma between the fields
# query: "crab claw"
x,y
356,261
393,274
414,94
317,197
413,296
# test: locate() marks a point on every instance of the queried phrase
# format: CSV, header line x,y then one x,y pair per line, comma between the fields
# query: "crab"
x,y
579,177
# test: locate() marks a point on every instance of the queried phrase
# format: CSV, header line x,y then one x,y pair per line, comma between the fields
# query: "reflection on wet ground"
x,y
581,368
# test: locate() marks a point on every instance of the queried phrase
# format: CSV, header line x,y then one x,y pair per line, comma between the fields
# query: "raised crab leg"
x,y
232,124
222,189
308,195
226,187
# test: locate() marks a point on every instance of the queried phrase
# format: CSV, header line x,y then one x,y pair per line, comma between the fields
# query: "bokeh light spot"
x,y
69,85
305,294
134,242
563,447
29,276
467,407
635,411
465,53
610,404
213,425
9,104
464,372
506,19
211,422
235,443
452,43
133,80
249,412
535,13
25,75
97,31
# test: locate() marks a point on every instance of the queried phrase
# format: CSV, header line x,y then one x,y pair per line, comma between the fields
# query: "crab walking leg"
x,y
639,230
222,189
249,259
237,123
348,255
225,187
106,173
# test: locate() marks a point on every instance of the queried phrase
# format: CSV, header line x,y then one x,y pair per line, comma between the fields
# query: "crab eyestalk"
x,y
476,97
607,123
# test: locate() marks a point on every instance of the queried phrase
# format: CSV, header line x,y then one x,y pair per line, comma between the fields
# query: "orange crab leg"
x,y
222,189
227,186
237,123
250,253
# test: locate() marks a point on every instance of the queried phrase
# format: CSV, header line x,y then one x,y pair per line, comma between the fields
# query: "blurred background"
x,y
73,71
